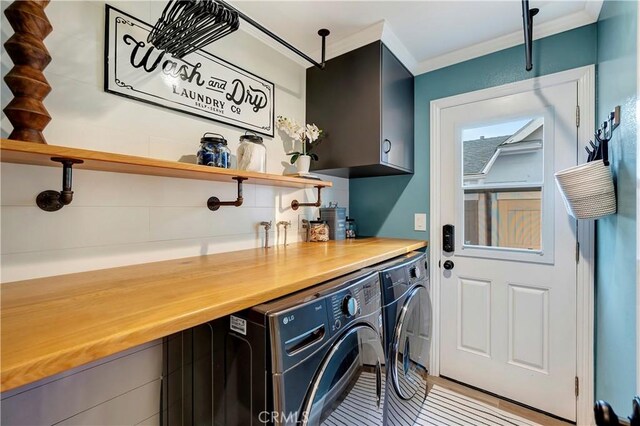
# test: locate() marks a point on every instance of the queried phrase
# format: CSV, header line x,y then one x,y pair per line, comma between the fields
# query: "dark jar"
x,y
214,151
351,231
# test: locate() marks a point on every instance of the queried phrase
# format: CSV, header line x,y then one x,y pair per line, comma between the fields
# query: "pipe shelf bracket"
x,y
295,204
52,201
214,203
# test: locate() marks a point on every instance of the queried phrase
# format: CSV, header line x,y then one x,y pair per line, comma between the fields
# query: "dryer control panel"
x,y
401,275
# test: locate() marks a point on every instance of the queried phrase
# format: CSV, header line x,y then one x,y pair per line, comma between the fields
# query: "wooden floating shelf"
x,y
21,152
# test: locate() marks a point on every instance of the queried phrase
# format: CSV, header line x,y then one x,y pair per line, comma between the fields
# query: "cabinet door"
x,y
396,144
344,101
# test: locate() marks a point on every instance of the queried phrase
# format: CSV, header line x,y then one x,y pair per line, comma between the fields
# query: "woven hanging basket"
x,y
587,190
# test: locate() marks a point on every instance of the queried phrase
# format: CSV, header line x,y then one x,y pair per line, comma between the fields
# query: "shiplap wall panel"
x,y
151,421
129,408
65,396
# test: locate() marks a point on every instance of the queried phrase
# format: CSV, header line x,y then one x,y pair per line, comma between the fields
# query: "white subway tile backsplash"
x,y
22,266
174,148
20,184
195,193
31,229
78,56
73,17
266,195
171,223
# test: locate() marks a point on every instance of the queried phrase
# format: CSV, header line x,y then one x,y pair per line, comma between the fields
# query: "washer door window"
x,y
348,387
409,356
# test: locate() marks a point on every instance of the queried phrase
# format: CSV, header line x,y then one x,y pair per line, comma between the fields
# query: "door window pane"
x,y
502,184
509,153
503,218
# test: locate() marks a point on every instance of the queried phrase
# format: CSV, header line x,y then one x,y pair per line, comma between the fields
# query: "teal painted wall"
x,y
384,206
616,360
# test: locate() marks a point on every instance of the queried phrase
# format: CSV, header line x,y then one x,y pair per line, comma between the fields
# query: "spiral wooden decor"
x,y
30,57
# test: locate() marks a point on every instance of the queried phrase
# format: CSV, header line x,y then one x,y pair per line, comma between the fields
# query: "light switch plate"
x,y
420,222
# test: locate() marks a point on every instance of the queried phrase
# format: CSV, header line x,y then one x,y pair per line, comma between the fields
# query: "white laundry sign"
x,y
200,83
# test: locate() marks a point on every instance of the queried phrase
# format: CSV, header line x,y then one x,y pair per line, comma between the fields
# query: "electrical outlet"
x,y
420,222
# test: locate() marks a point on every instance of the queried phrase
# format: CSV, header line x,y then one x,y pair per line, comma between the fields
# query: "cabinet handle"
x,y
386,151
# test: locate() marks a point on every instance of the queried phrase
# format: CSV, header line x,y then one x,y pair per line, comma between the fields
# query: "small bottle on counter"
x,y
252,154
318,231
351,231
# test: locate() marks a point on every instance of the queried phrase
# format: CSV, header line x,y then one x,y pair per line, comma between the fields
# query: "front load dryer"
x,y
407,335
312,358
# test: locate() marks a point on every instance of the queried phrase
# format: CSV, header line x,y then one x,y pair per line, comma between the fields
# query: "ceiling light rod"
x,y
322,33
527,23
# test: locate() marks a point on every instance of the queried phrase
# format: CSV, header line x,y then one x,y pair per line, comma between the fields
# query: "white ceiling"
x,y
425,35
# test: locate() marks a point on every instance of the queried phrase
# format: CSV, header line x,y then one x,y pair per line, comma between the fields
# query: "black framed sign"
x,y
199,84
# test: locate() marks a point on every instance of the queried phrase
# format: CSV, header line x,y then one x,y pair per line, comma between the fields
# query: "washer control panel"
x,y
358,299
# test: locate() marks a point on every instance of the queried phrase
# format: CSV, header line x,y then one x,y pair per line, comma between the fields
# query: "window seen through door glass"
x,y
502,184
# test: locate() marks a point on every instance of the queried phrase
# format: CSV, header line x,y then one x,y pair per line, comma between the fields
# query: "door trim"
x,y
585,77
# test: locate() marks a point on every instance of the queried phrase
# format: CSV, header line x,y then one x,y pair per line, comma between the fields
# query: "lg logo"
x,y
288,319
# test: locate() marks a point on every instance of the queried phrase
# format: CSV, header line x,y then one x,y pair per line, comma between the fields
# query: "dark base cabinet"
x,y
188,378
206,381
363,100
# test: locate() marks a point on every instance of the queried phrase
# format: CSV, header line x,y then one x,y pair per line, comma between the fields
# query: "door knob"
x,y
448,265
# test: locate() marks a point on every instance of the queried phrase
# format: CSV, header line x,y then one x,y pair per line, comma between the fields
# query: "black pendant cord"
x,y
295,204
51,201
214,203
527,23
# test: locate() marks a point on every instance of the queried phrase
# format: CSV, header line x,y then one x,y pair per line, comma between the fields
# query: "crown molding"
x,y
394,44
381,30
351,42
584,17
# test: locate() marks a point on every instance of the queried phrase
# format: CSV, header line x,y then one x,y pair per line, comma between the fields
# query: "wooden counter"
x,y
53,324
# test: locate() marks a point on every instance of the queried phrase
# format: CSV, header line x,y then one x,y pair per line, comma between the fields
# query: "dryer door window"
x,y
348,387
409,355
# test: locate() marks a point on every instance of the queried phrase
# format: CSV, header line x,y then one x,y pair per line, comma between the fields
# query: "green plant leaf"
x,y
313,156
294,157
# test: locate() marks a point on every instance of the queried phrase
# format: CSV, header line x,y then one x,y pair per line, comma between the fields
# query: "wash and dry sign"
x,y
200,84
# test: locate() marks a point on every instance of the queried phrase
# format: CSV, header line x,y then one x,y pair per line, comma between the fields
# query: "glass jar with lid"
x,y
252,154
318,231
214,151
351,230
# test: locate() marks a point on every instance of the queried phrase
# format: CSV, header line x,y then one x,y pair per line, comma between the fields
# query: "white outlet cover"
x,y
420,222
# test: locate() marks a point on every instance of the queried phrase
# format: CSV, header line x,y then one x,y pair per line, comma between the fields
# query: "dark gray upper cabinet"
x,y
363,100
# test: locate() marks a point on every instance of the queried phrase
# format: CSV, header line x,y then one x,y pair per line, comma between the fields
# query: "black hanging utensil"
x,y
590,154
188,25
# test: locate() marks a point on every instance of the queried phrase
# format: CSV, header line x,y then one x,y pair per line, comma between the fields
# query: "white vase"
x,y
302,163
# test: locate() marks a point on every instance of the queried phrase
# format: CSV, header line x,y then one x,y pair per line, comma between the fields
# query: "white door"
x,y
508,301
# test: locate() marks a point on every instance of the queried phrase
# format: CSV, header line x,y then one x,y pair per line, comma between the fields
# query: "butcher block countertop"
x,y
52,324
